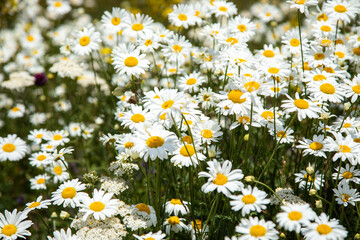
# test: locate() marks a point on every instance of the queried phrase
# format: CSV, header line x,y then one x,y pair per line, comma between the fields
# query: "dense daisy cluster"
x,y
219,124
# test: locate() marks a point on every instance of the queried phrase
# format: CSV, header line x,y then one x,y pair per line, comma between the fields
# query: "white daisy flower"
x,y
191,82
293,216
326,91
59,172
13,225
147,212
37,135
255,229
251,199
177,49
315,180
345,195
38,204
101,206
151,236
344,148
62,235
236,101
352,88
12,148
341,10
138,23
242,26
208,131
304,108
316,147
135,117
185,156
40,159
324,229
221,178
347,174
57,137
39,182
17,111
302,5
175,224
69,193
86,41
60,7
223,8
182,16
116,20
176,206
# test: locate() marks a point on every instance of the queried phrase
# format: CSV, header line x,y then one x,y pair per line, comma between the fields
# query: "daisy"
x,y
315,56
69,193
326,91
74,129
135,117
293,216
116,20
101,206
285,137
324,229
302,5
176,206
345,195
155,143
60,7
242,26
59,171
57,137
191,82
347,174
315,180
151,236
40,159
274,69
344,148
129,63
206,98
291,41
38,204
185,156
168,101
12,148
148,42
245,121
223,8
17,111
316,147
37,135
269,53
39,182
208,131
254,229
341,10
60,155
177,49
86,41
138,24
304,108
221,178
62,235
13,225
175,224
348,125
236,101
352,88
318,75
182,16
147,212
251,199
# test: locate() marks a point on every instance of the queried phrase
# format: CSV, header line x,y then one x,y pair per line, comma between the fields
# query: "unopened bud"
x,y
64,215
357,236
318,204
310,170
116,126
347,106
312,192
212,153
249,178
42,98
246,137
54,215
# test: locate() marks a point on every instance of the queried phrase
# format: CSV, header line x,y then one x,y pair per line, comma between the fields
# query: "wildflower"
x,y
316,147
39,182
185,156
57,137
40,159
176,206
12,148
156,236
116,20
146,212
182,16
345,195
308,181
303,107
175,224
302,5
62,235
253,228
69,193
347,174
13,225
341,10
38,204
323,228
60,7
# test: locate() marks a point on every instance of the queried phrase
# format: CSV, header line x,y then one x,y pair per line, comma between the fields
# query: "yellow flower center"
x,y
222,9
322,17
344,149
325,42
329,69
57,4
131,62
323,229
316,146
197,223
8,147
155,142
15,109
273,70
148,42
206,133
97,206
356,51
191,81
357,140
115,21
325,28
142,207
187,139
308,178
248,199
268,53
257,231
347,125
275,89
294,42
319,56
150,238
175,201
327,88
129,145
345,197
235,96
34,204
251,86
340,54
232,40
9,230
244,119
41,157
58,170
137,118
356,89
301,103
40,181
347,175
167,104
281,134
57,137
340,8
84,41
68,192
295,216
268,115
137,27
220,179
182,17
242,28
187,150
197,13
39,135
163,116
319,77
173,220
177,48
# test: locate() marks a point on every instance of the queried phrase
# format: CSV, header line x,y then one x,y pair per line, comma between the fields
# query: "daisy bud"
x,y
42,98
282,235
357,236
64,215
116,126
325,115
318,204
249,178
310,170
246,137
50,76
54,215
347,106
212,153
312,192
